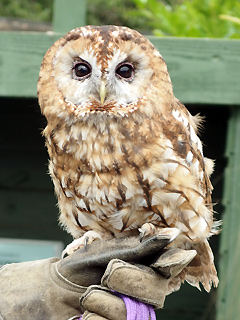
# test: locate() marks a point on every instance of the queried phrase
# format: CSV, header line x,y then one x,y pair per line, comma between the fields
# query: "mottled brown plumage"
x,y
123,150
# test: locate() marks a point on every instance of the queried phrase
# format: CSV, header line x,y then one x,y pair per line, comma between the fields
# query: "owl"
x,y
124,152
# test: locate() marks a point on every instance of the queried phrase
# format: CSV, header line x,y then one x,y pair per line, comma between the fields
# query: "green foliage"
x,y
180,18
113,12
30,10
191,18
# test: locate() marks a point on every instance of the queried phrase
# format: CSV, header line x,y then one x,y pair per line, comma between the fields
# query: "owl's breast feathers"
x,y
118,173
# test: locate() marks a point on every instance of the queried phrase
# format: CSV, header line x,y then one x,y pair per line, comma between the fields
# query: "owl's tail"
x,y
201,269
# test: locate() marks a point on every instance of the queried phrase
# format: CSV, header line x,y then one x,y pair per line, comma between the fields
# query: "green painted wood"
x,y
229,289
68,15
202,70
20,59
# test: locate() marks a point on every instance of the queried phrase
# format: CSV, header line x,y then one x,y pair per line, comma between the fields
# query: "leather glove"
x,y
137,281
50,289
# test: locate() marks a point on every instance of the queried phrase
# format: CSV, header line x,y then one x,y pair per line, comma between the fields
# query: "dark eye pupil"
x,y
82,70
125,71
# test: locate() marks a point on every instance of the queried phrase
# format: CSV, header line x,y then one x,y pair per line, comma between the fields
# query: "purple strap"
x,y
136,310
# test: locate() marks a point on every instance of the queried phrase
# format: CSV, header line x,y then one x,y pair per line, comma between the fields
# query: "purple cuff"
x,y
137,310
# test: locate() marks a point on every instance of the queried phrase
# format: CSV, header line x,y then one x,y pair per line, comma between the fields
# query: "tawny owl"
x,y
124,152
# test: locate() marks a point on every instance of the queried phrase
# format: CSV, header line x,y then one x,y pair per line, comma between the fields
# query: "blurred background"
x,y
199,41
178,18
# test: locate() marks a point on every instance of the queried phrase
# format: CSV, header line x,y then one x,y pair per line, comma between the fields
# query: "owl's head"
x,y
108,69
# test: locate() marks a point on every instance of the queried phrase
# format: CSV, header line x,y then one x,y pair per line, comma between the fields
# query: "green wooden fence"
x,y
204,72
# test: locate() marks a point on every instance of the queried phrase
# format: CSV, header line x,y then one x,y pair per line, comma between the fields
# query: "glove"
x,y
50,289
137,281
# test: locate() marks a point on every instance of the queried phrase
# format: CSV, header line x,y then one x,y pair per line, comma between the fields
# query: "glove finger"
x,y
139,282
100,301
172,261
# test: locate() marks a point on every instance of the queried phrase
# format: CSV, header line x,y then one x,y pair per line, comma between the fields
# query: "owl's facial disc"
x,y
102,76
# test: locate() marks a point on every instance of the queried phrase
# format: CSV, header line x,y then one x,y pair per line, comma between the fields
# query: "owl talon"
x,y
82,242
146,230
149,230
86,243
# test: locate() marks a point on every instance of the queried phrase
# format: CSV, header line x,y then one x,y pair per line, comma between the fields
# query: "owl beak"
x,y
102,92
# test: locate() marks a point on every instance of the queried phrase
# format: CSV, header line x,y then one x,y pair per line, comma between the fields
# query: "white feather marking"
x,y
168,154
167,212
130,192
181,226
202,224
180,201
189,157
198,202
68,193
193,222
160,197
157,198
189,214
157,53
60,144
185,121
176,115
199,145
193,135
168,144
116,219
172,167
85,219
143,203
196,165
85,133
172,197
159,183
81,204
63,184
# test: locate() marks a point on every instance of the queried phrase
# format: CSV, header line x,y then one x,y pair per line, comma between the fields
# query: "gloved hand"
x,y
50,289
136,281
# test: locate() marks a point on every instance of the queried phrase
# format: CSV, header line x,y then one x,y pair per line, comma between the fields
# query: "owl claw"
x,y
86,242
146,230
82,242
149,230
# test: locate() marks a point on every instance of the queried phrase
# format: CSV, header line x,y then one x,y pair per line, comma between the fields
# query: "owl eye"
x,y
82,70
125,71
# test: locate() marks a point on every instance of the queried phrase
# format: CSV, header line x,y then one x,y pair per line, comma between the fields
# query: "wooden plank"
x,y
202,70
20,59
228,306
68,15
